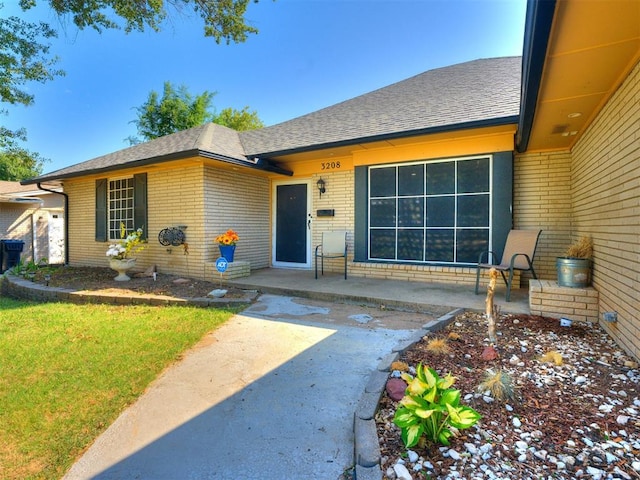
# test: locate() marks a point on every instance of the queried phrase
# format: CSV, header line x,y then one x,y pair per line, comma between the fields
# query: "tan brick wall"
x,y
542,199
239,202
176,197
546,298
340,197
606,205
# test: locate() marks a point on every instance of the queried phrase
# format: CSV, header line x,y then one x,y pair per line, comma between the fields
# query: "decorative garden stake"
x,y
492,312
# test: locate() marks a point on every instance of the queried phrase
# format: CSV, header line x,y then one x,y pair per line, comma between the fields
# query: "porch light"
x,y
321,186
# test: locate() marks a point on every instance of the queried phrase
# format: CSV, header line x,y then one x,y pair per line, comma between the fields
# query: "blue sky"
x,y
309,54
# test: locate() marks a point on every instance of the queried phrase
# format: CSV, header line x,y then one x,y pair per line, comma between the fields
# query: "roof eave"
x,y
538,21
264,166
493,122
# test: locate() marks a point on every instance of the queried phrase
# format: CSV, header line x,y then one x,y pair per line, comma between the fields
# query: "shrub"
x,y
498,383
430,408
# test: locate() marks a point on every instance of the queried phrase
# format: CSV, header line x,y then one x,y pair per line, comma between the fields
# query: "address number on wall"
x,y
329,165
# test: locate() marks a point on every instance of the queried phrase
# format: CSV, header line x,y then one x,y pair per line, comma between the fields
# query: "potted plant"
x,y
227,243
119,253
574,268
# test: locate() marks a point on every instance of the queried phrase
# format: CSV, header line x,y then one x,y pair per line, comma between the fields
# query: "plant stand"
x,y
122,266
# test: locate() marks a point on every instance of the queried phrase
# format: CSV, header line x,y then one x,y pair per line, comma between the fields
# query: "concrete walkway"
x,y
269,395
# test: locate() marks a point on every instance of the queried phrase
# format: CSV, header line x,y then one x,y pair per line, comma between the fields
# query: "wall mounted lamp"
x,y
321,186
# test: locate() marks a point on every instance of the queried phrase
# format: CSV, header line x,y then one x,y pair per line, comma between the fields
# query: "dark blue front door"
x,y
291,224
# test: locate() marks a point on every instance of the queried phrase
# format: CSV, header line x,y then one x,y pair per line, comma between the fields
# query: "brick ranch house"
x,y
422,174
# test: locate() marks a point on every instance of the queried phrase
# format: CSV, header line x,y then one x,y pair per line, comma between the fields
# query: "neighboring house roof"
x,y
15,192
478,93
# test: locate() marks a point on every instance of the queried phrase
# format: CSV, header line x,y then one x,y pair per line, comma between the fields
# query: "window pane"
x,y
473,175
441,211
411,212
382,244
120,206
441,178
470,244
473,211
440,245
411,180
383,213
410,244
383,182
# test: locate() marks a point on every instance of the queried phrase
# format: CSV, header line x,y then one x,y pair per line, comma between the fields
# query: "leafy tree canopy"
x,y
24,46
223,19
19,164
239,120
178,110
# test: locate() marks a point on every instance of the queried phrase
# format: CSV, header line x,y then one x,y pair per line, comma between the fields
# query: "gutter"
x,y
66,220
537,29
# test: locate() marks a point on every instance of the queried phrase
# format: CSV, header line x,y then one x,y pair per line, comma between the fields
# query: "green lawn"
x,y
67,371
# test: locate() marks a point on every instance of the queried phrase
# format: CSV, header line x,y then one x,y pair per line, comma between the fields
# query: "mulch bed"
x,y
565,410
102,280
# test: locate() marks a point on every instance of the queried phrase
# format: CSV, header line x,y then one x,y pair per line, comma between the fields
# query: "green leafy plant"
x,y
431,408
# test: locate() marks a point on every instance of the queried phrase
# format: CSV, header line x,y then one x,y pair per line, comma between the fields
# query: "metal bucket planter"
x,y
573,272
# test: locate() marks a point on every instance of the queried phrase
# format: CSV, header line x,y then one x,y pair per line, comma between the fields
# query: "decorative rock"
x,y
516,422
489,354
580,380
396,388
451,453
622,419
412,456
401,472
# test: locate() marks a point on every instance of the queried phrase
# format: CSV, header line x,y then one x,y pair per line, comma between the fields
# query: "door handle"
x,y
309,222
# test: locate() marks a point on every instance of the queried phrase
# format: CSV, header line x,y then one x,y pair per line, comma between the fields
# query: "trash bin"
x,y
10,251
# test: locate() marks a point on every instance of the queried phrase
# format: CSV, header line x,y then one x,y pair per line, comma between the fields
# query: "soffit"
x,y
593,46
350,150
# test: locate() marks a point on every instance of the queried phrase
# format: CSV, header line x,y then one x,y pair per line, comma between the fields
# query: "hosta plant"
x,y
431,408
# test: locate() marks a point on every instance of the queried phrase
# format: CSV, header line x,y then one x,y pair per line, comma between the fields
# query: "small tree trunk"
x,y
491,309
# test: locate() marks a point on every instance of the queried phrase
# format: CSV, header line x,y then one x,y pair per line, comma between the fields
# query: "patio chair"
x,y
334,245
519,252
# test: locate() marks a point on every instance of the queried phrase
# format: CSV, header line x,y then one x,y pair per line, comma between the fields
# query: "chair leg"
x,y
477,279
345,266
509,284
316,262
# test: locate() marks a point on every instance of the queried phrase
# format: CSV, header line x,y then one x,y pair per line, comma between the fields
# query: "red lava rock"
x,y
489,353
396,388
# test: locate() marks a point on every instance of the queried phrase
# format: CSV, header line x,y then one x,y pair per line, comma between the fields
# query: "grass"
x,y
67,371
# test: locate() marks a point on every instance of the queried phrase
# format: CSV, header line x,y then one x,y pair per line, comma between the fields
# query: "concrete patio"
x,y
390,293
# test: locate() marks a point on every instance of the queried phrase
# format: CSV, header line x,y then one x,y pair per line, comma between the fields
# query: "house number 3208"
x,y
330,165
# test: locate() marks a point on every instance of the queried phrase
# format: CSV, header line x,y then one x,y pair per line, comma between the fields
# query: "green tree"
x,y
19,164
24,47
239,120
177,110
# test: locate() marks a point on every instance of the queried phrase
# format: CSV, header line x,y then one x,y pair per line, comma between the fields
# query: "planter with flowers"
x,y
227,243
119,253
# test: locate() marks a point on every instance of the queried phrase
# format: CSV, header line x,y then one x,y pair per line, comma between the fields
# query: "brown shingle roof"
x,y
479,92
467,93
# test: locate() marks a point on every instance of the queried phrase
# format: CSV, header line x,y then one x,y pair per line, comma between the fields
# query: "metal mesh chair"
x,y
519,252
334,245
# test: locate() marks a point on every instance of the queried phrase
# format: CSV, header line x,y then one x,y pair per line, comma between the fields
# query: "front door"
x,y
292,225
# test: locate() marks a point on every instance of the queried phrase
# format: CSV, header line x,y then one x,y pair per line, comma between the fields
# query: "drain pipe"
x,y
66,220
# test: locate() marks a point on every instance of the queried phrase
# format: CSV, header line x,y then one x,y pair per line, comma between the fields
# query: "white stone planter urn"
x,y
122,266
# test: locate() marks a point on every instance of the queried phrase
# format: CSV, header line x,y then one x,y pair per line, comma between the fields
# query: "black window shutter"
x,y
140,203
101,210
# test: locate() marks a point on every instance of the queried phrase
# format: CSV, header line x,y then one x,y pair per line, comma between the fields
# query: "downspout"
x,y
66,220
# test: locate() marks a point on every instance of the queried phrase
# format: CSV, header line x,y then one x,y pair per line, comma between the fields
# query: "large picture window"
x,y
431,212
